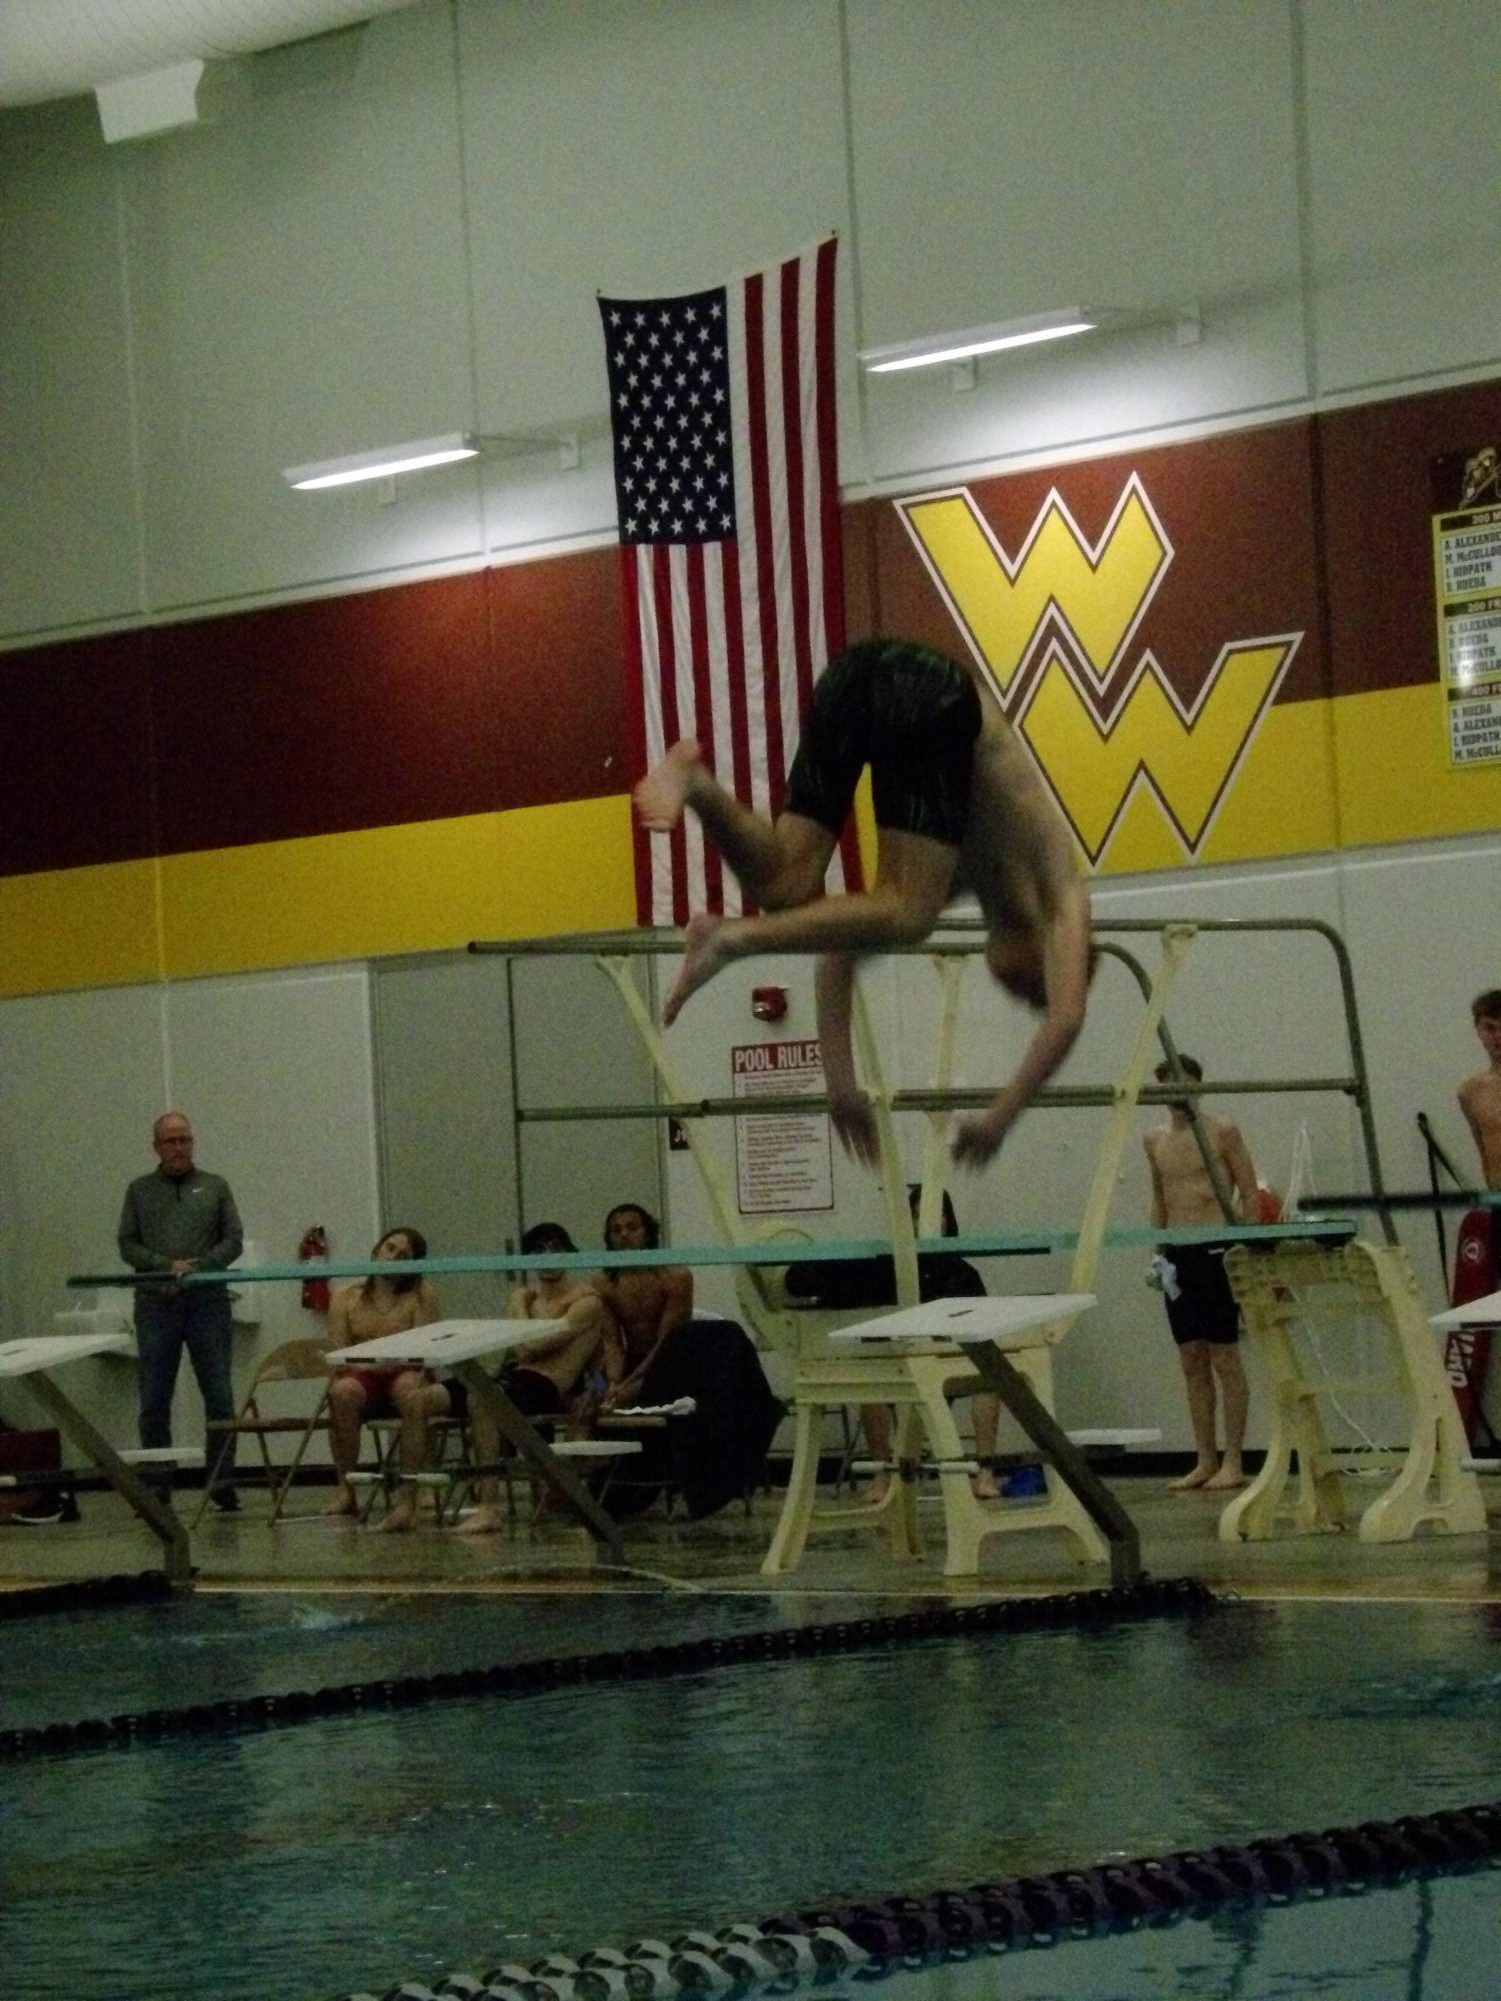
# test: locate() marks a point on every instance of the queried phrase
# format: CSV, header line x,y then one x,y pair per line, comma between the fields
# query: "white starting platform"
x,y
1288,1295
912,1358
459,1346
1008,1323
34,1357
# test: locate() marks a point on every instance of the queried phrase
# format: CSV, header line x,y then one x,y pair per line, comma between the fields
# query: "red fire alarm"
x,y
769,1003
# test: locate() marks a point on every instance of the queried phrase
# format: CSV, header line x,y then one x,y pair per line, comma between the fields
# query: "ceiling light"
x,y
932,349
384,464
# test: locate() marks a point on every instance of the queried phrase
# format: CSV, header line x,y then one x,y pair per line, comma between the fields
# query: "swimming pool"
x,y
354,1850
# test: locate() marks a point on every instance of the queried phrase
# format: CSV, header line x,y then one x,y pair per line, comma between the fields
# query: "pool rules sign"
x,y
1467,582
784,1162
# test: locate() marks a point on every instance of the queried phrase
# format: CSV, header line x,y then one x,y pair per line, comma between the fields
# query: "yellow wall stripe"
x,y
79,927
419,888
1391,757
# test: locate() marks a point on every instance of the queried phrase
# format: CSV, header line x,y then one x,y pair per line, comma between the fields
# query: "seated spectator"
x,y
717,1451
649,1306
362,1312
845,1284
544,1376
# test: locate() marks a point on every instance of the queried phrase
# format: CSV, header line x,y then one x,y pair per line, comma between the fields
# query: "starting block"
x,y
913,1357
1280,1294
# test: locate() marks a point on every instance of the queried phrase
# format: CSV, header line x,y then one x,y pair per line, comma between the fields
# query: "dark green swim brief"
x,y
913,716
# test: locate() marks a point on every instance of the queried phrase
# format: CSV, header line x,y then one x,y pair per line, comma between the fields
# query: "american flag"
x,y
722,407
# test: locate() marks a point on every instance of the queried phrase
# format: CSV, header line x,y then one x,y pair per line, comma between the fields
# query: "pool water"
x,y
351,1851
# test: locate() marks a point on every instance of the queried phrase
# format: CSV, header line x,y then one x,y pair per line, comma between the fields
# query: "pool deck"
x,y
311,1551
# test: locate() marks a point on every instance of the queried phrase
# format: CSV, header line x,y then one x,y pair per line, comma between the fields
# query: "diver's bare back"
x,y
1018,856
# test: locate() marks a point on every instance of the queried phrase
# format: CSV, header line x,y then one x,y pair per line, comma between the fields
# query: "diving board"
x,y
989,1330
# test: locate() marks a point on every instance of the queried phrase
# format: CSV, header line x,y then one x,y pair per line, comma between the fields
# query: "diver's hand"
x,y
977,1139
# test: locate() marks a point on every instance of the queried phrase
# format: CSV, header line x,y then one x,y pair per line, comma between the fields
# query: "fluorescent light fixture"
x,y
385,464
932,349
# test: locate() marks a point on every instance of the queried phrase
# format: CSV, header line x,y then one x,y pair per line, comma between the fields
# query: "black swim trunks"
x,y
1205,1309
913,716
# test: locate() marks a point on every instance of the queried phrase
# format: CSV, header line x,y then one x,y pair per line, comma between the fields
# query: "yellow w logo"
x,y
1185,757
1096,743
1098,594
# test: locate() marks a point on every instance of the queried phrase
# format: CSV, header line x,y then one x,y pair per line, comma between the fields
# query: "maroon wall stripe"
x,y
75,754
462,695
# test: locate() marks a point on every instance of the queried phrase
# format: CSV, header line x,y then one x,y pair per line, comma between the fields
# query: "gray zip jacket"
x,y
189,1216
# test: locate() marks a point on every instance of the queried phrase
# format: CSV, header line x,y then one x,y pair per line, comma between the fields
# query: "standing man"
x,y
1201,1308
175,1220
1480,1095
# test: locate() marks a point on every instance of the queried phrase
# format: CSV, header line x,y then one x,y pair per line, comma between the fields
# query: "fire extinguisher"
x,y
314,1250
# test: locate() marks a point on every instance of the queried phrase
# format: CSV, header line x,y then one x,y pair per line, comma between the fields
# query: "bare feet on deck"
x,y
398,1522
484,1521
703,957
1201,1476
663,792
875,1490
1229,1476
984,1485
343,1503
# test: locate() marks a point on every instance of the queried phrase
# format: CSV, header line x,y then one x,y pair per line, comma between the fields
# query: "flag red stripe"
x,y
734,615
760,530
792,447
827,430
667,668
703,702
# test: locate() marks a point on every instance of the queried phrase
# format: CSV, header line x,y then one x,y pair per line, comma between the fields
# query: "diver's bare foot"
x,y
1201,1476
1229,1476
343,1503
875,1491
484,1521
400,1521
703,956
984,1485
663,792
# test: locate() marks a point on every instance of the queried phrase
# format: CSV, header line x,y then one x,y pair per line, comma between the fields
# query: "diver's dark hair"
x,y
1189,1065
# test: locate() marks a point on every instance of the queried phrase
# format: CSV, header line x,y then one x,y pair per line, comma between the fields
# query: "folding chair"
x,y
301,1361
383,1477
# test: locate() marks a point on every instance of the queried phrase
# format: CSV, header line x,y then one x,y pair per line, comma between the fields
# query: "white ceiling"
x,y
61,48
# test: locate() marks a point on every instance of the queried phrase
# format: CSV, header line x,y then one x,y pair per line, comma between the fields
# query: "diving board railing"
x,y
962,937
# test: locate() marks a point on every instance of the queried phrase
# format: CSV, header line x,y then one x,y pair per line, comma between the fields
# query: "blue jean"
x,y
196,1318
